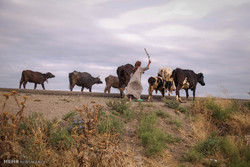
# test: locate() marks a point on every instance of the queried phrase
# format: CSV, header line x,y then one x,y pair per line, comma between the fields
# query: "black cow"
x,y
124,73
34,77
83,79
186,79
111,81
158,83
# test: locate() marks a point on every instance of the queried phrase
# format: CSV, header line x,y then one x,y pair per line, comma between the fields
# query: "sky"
x,y
97,36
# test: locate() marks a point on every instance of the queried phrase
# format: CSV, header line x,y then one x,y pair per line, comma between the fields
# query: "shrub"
x,y
183,110
153,138
118,105
172,104
238,156
70,115
193,156
129,114
110,125
247,104
162,114
209,146
176,122
123,108
61,139
218,112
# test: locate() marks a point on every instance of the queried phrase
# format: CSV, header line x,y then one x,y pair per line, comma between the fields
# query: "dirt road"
x,y
56,103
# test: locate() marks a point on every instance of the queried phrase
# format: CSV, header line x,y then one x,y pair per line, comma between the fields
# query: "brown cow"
x,y
83,79
34,77
124,73
111,81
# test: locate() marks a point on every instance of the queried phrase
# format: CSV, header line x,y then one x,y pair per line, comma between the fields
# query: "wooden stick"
x,y
147,53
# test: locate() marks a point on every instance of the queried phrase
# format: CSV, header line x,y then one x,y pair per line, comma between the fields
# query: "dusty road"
x,y
56,103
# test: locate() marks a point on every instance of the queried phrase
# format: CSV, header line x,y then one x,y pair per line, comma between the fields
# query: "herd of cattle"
x,y
167,80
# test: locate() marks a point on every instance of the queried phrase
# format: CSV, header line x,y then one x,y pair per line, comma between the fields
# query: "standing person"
x,y
134,88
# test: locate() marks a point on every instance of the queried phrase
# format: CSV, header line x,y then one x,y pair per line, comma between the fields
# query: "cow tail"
x,y
22,77
106,79
70,79
173,75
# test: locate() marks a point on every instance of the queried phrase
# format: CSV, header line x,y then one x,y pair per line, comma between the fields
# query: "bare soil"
x,y
54,104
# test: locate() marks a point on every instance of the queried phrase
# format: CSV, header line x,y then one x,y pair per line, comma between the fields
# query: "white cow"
x,y
165,73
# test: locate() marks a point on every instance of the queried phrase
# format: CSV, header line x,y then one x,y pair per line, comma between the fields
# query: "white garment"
x,y
134,86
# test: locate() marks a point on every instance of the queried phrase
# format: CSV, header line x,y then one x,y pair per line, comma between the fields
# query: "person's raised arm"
x,y
149,62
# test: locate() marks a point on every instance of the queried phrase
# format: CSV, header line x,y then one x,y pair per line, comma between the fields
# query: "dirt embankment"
x,y
184,130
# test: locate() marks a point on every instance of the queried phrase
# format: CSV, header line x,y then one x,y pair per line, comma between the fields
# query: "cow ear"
x,y
200,74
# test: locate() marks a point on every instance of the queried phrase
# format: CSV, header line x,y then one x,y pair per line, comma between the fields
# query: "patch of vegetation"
x,y
129,115
162,114
209,146
247,104
123,108
171,139
111,125
172,104
51,142
153,138
218,112
118,105
193,156
61,139
70,116
175,121
183,110
238,155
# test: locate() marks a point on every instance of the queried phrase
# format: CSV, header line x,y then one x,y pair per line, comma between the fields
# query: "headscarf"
x,y
137,64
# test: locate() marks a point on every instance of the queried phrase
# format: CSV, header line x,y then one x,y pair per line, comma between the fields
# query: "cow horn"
x,y
98,76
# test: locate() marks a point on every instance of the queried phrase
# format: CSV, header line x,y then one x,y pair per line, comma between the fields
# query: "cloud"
x,y
98,36
178,9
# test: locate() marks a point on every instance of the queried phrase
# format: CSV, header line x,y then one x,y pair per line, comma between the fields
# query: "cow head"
x,y
160,72
98,80
49,75
201,79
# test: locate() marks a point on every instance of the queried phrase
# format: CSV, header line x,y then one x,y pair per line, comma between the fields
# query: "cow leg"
x,y
90,89
72,85
35,85
193,94
20,85
178,98
187,95
163,92
82,88
43,86
170,91
150,91
107,88
24,84
121,92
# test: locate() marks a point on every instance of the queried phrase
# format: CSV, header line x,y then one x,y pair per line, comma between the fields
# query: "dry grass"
x,y
231,121
69,142
94,149
48,143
